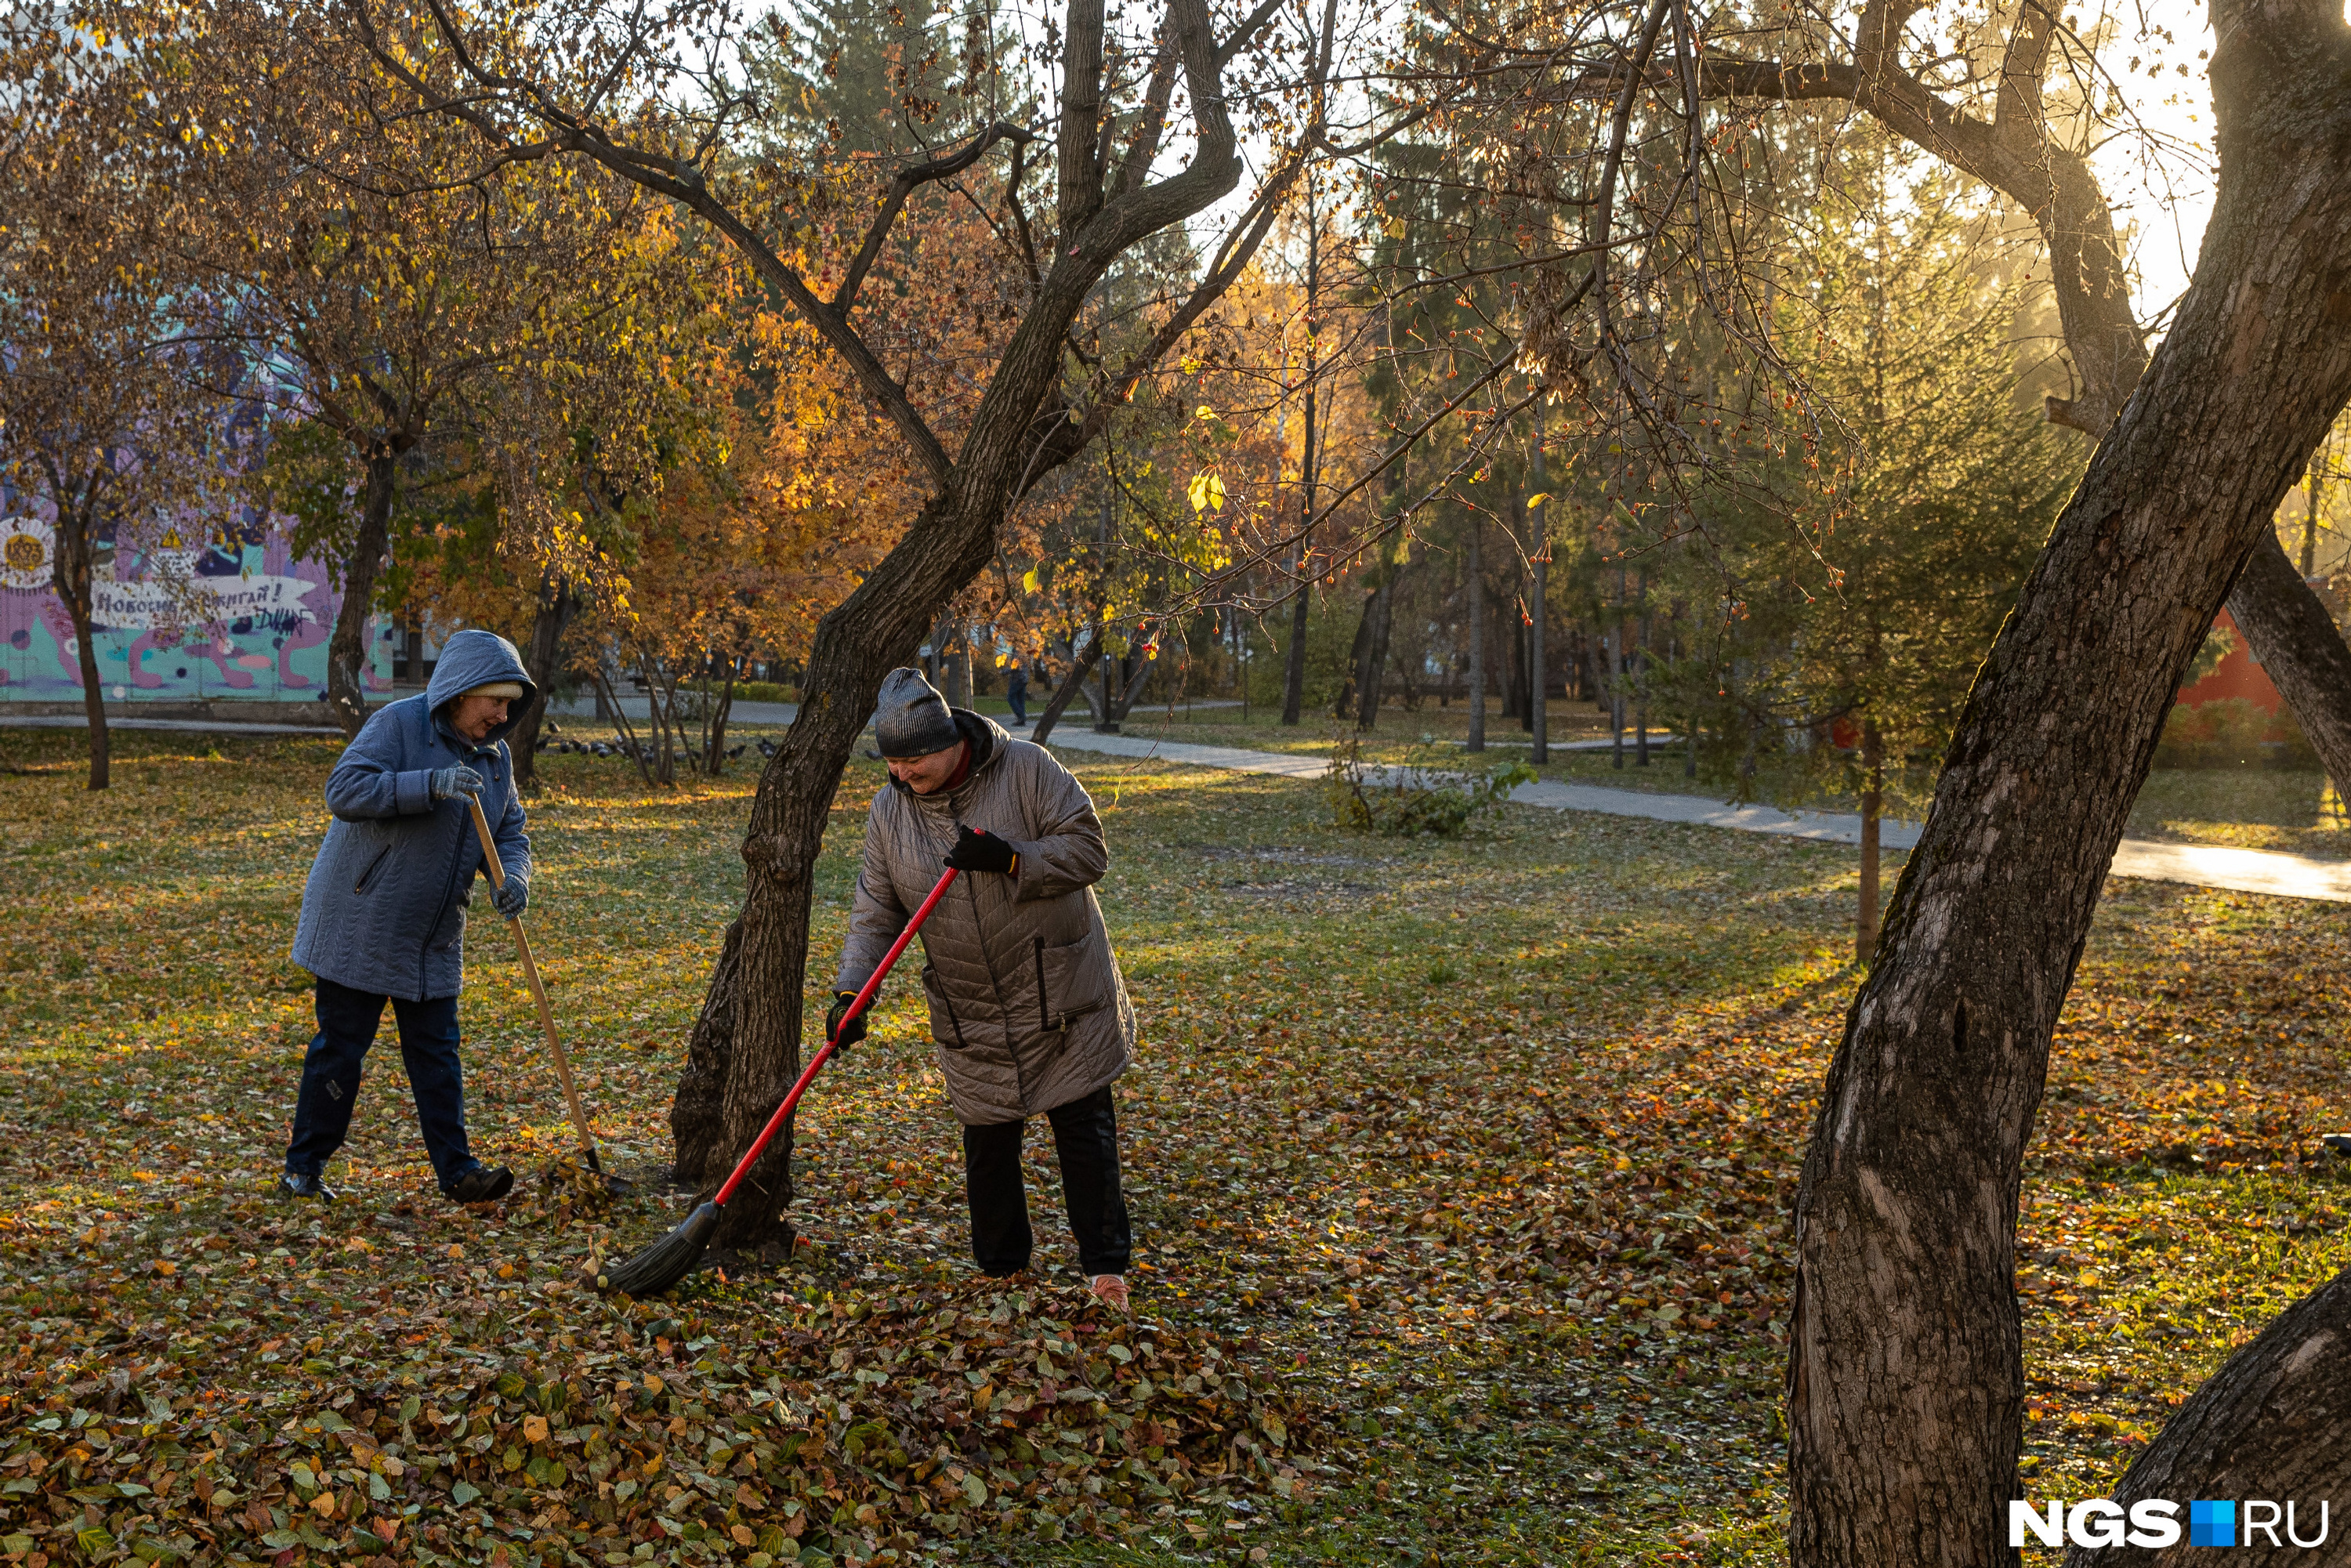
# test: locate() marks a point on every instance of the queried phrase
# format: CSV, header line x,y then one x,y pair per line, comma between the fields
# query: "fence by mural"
x,y
231,616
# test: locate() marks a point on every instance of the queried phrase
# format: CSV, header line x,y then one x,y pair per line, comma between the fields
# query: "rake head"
x,y
667,1260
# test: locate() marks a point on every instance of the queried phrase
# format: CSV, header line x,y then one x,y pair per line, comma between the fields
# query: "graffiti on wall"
x,y
222,610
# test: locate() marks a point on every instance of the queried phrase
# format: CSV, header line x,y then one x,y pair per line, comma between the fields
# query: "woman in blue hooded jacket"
x,y
383,914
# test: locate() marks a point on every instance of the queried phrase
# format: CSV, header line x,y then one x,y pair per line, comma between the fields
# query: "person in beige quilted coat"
x,y
1028,1008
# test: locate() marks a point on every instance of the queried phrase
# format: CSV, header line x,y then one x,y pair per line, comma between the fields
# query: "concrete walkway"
x,y
2196,865
582,711
193,726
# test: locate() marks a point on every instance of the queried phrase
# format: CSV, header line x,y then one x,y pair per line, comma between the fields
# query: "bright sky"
x,y
2160,177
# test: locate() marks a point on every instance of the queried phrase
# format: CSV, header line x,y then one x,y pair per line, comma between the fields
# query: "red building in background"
x,y
2239,675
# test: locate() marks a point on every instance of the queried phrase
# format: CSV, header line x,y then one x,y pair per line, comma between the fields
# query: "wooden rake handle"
x,y
537,991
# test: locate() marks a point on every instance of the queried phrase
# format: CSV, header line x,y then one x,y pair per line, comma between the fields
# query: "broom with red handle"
x,y
673,1258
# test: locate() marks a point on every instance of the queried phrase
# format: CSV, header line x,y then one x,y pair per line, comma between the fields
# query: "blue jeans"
x,y
331,1078
1018,702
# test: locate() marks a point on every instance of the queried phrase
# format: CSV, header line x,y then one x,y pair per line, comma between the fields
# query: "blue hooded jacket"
x,y
384,910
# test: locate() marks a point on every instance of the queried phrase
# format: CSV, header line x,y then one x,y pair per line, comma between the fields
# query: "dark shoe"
x,y
293,1186
2338,1142
483,1184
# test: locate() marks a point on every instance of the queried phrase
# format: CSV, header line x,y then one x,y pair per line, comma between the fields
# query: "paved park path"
x,y
2198,866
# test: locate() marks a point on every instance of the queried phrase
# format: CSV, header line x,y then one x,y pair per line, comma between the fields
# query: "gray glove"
x,y
448,781
512,898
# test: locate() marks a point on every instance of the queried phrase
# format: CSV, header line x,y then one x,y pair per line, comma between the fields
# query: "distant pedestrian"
x,y
383,916
1026,1004
1016,695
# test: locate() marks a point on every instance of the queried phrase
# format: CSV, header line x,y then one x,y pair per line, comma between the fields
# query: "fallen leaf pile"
x,y
1459,1171
862,1426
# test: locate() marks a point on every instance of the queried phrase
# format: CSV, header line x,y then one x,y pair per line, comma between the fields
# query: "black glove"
x,y
512,899
842,1035
980,852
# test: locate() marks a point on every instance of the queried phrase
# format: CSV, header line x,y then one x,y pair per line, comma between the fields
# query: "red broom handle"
x,y
865,999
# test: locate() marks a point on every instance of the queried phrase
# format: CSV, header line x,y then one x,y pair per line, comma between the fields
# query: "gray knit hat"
x,y
910,719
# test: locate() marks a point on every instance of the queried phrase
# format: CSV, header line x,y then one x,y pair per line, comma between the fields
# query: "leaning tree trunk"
x,y
2295,639
2274,1424
876,629
70,575
1906,1384
347,650
1072,680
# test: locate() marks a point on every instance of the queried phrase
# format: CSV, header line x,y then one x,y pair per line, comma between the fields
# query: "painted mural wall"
x,y
232,616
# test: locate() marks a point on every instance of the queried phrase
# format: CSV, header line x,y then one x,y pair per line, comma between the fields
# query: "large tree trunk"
x,y
347,650
2292,635
70,575
556,607
2272,1424
697,1116
1906,1385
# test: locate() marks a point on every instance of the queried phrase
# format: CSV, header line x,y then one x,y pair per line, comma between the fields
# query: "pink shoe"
x,y
1111,1289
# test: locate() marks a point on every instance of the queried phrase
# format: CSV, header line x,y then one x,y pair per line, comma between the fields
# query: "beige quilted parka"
x,y
1026,1004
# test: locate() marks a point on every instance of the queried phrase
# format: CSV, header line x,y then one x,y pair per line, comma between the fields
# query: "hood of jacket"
x,y
476,658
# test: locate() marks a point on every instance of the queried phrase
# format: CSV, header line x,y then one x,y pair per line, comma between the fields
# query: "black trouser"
x,y
1086,1137
331,1078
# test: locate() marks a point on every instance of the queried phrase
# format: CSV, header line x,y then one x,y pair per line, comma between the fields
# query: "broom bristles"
x,y
667,1262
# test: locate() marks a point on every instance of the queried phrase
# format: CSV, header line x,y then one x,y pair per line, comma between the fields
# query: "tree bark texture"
x,y
2275,1423
697,1115
716,712
558,605
1904,1393
347,650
